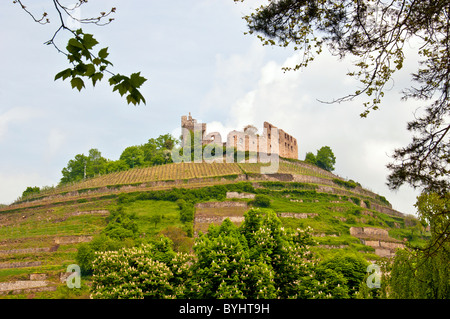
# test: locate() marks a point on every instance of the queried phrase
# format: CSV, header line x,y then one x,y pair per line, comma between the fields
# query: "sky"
x,y
196,58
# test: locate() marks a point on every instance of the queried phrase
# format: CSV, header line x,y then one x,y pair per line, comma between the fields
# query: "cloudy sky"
x,y
197,59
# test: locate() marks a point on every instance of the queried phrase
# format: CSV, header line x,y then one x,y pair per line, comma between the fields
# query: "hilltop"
x,y
41,234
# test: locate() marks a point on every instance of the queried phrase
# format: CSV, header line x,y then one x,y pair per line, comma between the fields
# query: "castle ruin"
x,y
273,140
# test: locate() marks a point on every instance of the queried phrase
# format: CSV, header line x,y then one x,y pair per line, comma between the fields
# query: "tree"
x,y
84,166
133,156
156,219
86,251
79,51
325,158
75,169
310,158
151,270
258,259
261,201
187,211
121,225
31,191
375,33
346,272
417,276
434,210
158,151
423,272
96,164
179,237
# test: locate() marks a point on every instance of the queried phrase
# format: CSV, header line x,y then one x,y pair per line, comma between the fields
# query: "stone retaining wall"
x,y
218,219
220,204
368,232
25,250
297,215
25,286
22,264
72,240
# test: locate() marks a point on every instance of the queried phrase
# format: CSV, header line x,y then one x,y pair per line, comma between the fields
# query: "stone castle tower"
x,y
188,123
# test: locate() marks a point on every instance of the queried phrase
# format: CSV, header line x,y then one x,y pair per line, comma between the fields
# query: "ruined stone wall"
x,y
272,141
287,144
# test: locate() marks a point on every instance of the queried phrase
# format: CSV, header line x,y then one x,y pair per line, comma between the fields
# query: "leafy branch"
x,y
79,51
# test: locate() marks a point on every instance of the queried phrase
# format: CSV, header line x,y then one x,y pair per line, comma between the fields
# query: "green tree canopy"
x,y
310,158
83,165
133,156
324,158
74,171
30,191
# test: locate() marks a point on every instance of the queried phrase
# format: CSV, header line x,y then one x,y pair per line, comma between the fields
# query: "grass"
x,y
75,225
145,209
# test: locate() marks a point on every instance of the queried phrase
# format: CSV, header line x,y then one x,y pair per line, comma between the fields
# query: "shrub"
x,y
356,200
187,212
347,184
261,201
121,225
30,191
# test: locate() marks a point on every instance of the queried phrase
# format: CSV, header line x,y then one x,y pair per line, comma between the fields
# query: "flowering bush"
x,y
149,271
259,259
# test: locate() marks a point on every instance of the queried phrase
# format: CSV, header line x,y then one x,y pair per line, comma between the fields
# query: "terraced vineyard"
x,y
298,168
179,172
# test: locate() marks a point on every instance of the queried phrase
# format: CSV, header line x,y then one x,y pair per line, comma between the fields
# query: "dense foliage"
x,y
258,259
324,158
149,271
423,272
154,152
415,275
31,191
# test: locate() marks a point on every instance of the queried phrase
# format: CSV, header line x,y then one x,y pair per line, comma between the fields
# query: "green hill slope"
x,y
40,235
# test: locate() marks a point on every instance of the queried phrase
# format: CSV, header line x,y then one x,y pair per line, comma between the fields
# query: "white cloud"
x,y
234,75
